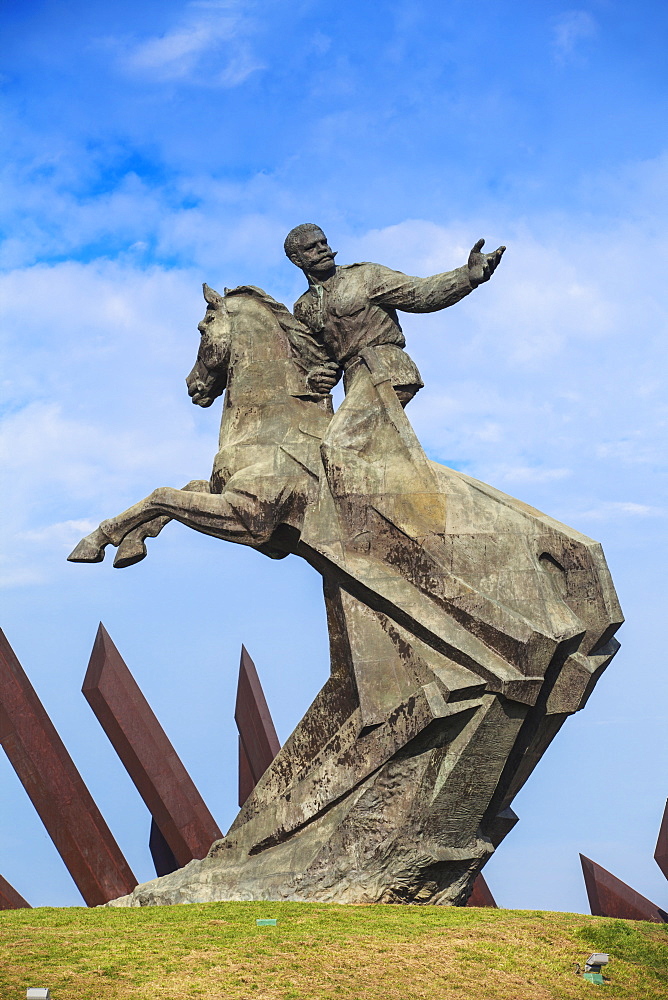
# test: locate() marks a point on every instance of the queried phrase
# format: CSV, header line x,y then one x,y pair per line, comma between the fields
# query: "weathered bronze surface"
x,y
464,625
10,899
56,789
610,897
258,742
178,809
661,852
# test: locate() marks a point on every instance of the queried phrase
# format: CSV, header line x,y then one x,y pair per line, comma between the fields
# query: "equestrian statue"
x,y
465,626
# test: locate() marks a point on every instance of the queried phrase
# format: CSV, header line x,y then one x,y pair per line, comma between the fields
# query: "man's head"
x,y
307,248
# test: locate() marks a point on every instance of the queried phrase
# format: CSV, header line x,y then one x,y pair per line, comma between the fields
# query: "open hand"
x,y
483,265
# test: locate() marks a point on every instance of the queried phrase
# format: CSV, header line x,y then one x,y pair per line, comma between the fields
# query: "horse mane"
x,y
306,350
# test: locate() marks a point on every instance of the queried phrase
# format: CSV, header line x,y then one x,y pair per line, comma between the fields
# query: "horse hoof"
x,y
87,551
129,553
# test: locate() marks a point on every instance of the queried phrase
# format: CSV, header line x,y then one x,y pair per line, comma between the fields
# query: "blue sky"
x,y
153,146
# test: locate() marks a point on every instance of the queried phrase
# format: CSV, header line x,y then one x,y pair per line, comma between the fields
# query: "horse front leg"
x,y
132,549
91,548
235,517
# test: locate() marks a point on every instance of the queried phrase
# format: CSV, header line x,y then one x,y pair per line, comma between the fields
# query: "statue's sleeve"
x,y
310,357
401,291
308,350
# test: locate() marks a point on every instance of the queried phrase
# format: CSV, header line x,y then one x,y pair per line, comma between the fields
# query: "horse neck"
x,y
256,335
262,371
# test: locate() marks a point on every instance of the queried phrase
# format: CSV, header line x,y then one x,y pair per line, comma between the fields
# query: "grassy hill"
x,y
323,952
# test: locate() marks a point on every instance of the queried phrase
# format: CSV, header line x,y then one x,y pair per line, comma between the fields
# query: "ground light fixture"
x,y
593,967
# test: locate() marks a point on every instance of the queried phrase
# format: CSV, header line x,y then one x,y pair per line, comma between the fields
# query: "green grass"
x,y
323,952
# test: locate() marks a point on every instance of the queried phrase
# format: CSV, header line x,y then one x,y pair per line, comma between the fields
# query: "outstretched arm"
x,y
401,291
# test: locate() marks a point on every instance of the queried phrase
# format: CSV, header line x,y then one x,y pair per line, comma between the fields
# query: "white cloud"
x,y
68,532
94,359
13,574
141,218
571,28
33,555
634,446
613,509
529,474
209,47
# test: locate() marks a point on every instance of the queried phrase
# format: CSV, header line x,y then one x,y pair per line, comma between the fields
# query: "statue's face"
x,y
314,254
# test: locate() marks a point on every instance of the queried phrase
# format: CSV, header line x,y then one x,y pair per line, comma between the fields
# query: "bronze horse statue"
x,y
253,347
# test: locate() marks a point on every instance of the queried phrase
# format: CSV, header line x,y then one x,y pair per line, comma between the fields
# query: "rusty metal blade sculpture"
x,y
246,780
258,742
161,852
56,789
481,895
178,809
10,899
610,897
661,852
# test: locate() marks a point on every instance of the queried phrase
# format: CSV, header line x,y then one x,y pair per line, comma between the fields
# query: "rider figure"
x,y
352,309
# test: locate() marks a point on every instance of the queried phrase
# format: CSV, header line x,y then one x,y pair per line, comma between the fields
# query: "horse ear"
x,y
211,296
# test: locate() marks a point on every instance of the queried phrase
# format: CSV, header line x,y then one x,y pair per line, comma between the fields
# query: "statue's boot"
x,y
91,548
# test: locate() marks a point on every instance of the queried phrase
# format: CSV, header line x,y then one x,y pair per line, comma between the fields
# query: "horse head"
x,y
208,377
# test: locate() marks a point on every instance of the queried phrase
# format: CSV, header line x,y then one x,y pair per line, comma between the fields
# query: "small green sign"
x,y
266,923
595,977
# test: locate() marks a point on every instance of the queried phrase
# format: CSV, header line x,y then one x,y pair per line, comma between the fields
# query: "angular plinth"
x,y
610,897
481,895
10,899
258,742
178,809
661,852
56,789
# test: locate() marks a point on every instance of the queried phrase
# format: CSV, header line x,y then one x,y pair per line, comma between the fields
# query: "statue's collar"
x,y
315,283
